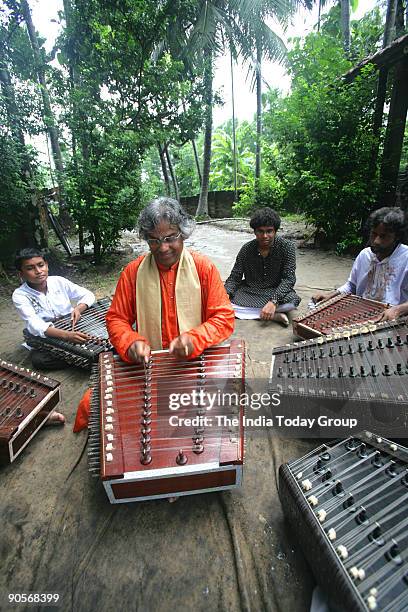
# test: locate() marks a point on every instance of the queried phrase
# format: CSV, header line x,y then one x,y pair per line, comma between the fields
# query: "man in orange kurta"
x,y
165,225
217,314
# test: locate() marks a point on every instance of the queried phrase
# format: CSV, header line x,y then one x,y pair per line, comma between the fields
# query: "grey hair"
x,y
165,209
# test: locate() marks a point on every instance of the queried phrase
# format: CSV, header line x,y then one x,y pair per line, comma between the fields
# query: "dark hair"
x,y
392,217
27,254
264,217
165,209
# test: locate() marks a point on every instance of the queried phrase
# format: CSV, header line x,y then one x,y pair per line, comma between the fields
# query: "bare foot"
x,y
56,418
281,318
172,499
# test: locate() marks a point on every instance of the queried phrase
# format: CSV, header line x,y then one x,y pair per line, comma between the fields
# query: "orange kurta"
x,y
217,315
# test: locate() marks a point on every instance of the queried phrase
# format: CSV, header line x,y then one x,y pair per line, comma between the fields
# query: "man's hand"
x,y
268,311
76,337
75,316
139,351
322,297
390,314
182,346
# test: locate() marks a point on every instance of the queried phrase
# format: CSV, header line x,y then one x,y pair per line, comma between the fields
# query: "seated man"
x,y
41,299
261,282
175,297
380,271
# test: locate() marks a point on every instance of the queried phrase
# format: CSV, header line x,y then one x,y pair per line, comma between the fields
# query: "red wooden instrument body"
x,y
343,312
26,401
143,449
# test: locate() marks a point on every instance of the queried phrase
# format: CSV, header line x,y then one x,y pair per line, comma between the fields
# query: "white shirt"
x,y
38,309
384,281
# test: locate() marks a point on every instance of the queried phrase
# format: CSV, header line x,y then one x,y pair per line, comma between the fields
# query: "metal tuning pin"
x,y
392,469
362,451
181,458
377,459
362,518
390,343
394,553
339,489
380,343
363,372
398,341
386,371
399,369
352,444
350,349
374,370
341,351
145,457
340,372
370,346
352,373
361,347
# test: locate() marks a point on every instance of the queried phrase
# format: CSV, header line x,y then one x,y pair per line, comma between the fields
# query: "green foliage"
x,y
103,190
14,193
268,191
222,162
320,138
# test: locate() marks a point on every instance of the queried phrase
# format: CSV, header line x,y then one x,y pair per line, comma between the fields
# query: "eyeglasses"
x,y
156,242
268,232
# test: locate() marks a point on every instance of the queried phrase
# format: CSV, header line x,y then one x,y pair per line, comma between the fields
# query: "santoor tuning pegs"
x,y
181,458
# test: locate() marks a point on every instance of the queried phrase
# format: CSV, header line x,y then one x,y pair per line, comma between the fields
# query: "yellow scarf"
x,y
149,303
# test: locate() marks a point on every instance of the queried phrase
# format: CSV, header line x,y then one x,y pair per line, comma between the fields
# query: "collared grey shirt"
x,y
256,280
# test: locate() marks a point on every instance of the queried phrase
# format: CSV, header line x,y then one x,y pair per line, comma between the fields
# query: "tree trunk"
x,y
164,168
97,245
400,20
394,136
381,89
200,179
258,110
345,24
202,208
172,172
48,116
234,135
389,22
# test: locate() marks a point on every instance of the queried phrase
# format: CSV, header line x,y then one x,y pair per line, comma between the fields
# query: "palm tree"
x,y
48,115
240,24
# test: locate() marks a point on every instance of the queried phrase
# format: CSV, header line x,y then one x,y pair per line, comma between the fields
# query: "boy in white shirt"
x,y
41,299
